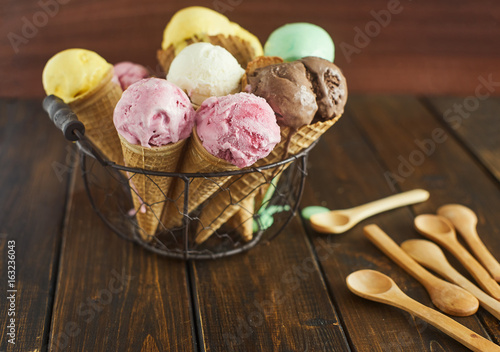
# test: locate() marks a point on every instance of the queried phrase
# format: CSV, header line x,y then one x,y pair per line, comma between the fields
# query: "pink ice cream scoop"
x,y
154,112
239,128
127,73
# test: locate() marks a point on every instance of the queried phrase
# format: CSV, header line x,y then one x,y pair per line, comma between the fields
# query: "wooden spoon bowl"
x,y
339,221
465,221
375,286
448,297
429,254
441,230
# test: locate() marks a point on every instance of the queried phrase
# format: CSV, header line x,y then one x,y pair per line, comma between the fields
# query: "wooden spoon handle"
x,y
395,201
479,273
484,255
450,327
393,251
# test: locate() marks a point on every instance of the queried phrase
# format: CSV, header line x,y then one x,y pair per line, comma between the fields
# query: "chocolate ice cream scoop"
x,y
329,85
287,90
301,92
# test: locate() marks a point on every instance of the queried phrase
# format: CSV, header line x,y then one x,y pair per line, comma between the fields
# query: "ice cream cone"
x,y
225,204
95,110
165,57
242,221
239,48
323,93
196,160
265,193
149,193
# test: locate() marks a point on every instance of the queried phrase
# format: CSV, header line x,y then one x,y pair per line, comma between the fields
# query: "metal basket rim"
x,y
88,148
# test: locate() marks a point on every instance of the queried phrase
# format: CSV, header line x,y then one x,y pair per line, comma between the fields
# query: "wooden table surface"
x,y
81,288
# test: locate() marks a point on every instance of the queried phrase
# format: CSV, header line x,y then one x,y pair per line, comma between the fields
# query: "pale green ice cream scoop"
x,y
294,41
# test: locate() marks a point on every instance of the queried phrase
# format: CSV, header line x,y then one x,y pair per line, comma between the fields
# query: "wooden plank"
x,y
476,121
113,295
425,47
272,298
32,200
446,169
357,177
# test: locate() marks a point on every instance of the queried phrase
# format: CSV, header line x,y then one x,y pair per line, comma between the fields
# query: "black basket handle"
x,y
63,117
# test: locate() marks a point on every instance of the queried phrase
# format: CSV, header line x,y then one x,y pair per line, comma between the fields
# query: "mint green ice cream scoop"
x,y
294,41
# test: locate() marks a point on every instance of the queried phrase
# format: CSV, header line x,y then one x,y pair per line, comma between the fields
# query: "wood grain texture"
x,y
32,201
107,294
425,46
356,178
476,121
270,299
114,296
447,171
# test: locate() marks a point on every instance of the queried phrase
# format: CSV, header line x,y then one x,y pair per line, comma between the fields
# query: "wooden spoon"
x,y
375,286
431,256
465,221
448,297
440,230
339,221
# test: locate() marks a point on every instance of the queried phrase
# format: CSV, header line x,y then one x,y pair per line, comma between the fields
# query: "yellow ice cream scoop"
x,y
203,22
72,73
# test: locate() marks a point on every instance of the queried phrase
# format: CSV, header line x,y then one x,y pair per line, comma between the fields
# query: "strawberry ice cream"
x,y
239,128
153,112
127,73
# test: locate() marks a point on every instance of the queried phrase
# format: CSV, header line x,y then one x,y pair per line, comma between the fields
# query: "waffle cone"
x,y
262,196
95,110
196,160
165,57
242,221
239,48
149,192
225,204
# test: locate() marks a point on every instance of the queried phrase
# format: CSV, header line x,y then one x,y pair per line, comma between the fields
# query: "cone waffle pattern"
x,y
196,160
165,57
147,190
242,221
240,49
225,204
95,110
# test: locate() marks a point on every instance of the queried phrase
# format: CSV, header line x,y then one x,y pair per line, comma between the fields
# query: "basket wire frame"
x,y
108,187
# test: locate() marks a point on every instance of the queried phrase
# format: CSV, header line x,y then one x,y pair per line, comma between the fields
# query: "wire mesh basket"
x,y
274,193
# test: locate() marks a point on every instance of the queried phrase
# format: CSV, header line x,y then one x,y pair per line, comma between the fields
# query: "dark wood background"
x,y
429,47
